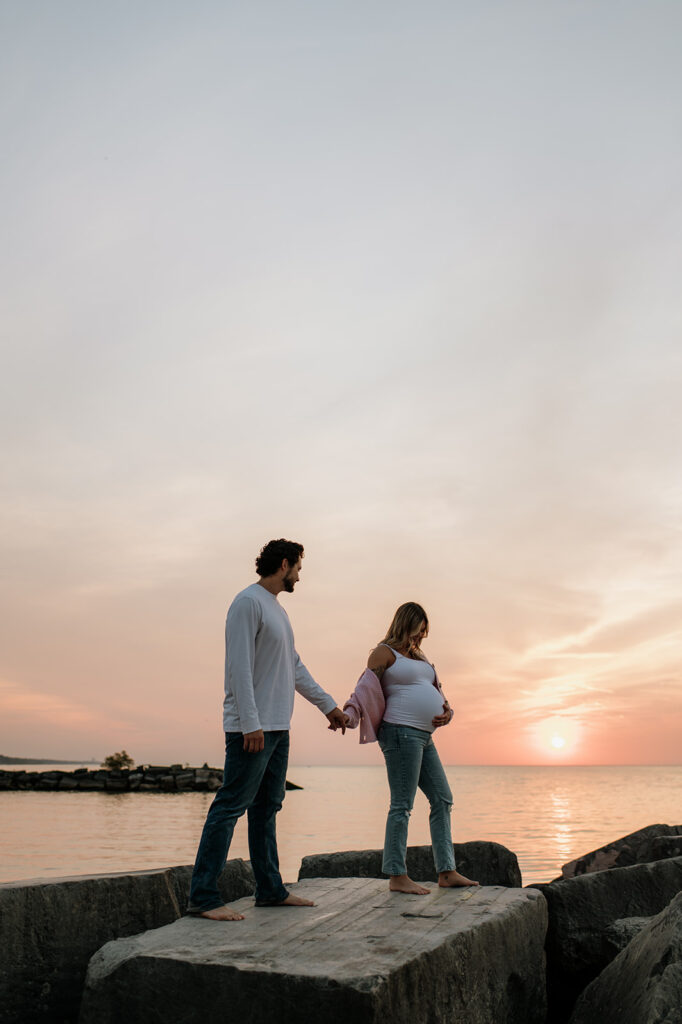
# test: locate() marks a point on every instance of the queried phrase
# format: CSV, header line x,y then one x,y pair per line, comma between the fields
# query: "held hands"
x,y
337,720
254,741
445,718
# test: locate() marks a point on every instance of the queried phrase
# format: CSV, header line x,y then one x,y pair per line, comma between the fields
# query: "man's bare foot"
x,y
403,883
295,901
452,879
222,914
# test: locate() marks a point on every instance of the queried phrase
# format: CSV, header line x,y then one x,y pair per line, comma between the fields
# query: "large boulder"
x,y
621,932
52,928
581,912
661,848
643,985
361,954
635,848
485,862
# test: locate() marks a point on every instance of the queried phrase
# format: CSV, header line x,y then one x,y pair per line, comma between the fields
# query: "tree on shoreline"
x,y
121,759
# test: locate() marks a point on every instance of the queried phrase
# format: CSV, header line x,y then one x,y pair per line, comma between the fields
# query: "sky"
x,y
396,280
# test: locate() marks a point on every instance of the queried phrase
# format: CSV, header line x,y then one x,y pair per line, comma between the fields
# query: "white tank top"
x,y
411,695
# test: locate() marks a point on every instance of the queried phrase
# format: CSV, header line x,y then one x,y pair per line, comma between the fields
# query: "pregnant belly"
x,y
415,704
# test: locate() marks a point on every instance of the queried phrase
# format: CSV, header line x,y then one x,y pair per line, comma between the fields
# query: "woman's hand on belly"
x,y
443,719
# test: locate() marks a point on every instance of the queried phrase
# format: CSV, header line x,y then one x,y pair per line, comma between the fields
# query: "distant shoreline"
x,y
39,760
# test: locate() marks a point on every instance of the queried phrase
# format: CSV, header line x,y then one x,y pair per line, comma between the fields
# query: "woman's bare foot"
x,y
403,883
222,914
452,879
295,901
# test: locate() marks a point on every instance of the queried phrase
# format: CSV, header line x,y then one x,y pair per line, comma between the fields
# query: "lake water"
x,y
547,816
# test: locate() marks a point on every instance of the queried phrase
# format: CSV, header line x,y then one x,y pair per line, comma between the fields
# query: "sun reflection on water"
x,y
562,810
546,815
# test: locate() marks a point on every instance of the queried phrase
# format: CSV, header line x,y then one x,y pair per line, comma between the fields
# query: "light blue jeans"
x,y
412,760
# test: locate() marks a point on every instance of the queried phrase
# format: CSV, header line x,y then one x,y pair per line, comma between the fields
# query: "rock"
x,y
48,781
582,909
623,931
91,782
635,848
52,928
116,785
360,955
487,863
660,848
643,985
184,780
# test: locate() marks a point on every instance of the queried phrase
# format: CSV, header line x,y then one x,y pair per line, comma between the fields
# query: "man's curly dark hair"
x,y
274,553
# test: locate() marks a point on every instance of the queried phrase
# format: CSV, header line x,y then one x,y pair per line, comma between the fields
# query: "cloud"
x,y
26,705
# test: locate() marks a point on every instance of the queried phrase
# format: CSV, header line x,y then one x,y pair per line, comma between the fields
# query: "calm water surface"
x,y
547,816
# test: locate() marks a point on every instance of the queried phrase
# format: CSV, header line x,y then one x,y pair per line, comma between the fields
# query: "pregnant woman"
x,y
399,701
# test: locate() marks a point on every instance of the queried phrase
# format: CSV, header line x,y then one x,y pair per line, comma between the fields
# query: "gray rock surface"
x,y
362,955
661,847
621,932
581,911
485,862
52,928
643,985
635,848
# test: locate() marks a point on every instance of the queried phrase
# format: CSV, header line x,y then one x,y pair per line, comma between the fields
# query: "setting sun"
x,y
558,735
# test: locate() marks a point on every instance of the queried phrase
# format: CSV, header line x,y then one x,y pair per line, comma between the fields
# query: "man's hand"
x,y
337,720
254,741
443,719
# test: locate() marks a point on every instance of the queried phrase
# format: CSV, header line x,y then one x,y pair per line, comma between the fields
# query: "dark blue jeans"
x,y
254,783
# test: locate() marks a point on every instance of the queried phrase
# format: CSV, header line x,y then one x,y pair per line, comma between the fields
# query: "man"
x,y
262,671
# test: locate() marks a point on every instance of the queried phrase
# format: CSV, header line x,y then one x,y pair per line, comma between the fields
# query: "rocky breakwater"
x,y
597,915
361,954
654,842
50,929
643,985
174,778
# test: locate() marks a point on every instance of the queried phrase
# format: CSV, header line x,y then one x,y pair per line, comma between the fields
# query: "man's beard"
x,y
288,584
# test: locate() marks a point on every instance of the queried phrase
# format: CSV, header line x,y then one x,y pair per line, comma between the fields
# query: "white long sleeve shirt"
x,y
262,668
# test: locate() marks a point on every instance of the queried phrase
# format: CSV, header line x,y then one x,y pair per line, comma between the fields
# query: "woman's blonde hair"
x,y
406,622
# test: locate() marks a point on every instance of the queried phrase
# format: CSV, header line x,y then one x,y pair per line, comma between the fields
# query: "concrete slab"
x,y
364,955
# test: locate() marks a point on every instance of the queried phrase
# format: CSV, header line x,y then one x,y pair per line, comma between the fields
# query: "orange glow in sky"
x,y
381,284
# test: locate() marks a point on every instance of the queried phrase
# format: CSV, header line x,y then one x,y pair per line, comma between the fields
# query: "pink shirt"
x,y
365,706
